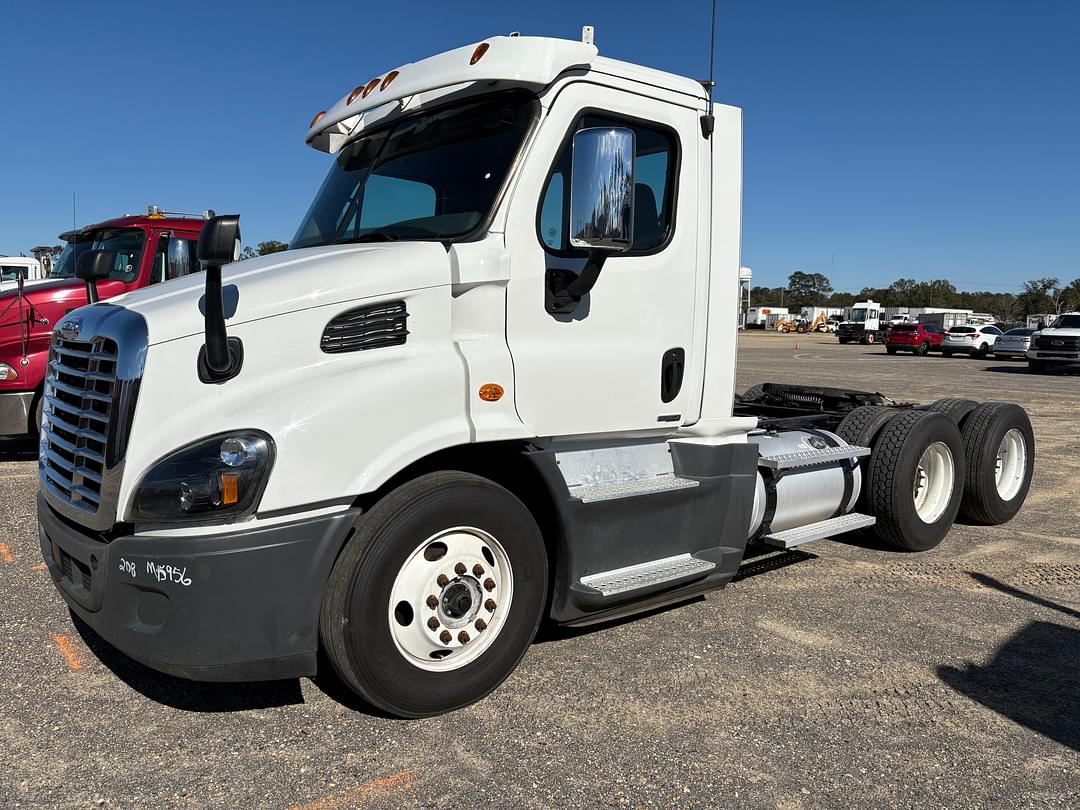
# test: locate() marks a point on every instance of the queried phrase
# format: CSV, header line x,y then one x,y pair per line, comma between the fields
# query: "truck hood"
x,y
280,283
12,286
1048,333
38,288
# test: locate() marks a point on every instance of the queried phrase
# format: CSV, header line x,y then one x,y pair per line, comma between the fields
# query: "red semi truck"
x,y
147,249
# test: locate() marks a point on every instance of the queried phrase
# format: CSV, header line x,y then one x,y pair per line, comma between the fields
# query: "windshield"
x,y
126,243
1066,322
432,176
859,315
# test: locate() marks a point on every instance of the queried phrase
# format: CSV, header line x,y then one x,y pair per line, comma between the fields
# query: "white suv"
x,y
975,340
1057,344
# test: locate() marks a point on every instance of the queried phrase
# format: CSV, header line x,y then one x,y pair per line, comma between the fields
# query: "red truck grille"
x,y
79,390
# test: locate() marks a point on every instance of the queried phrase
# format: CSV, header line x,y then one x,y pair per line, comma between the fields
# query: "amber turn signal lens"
x,y
371,86
355,94
491,392
478,54
316,119
393,74
230,488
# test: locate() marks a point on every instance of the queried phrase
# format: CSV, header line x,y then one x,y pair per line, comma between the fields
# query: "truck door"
x,y
622,360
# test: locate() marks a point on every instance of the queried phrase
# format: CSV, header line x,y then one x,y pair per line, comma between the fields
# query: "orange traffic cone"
x,y
796,345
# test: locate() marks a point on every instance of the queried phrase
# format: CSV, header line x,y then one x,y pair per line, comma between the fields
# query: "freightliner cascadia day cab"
x,y
146,250
491,381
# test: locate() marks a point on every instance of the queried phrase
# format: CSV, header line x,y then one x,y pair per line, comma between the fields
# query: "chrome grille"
x,y
79,402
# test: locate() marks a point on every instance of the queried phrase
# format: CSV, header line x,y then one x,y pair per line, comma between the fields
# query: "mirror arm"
x,y
589,275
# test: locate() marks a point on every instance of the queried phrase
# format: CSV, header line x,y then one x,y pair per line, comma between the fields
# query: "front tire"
x,y
915,480
437,596
924,349
1000,452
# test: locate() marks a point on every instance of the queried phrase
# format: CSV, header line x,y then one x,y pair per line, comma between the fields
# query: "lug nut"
x,y
480,625
489,605
489,584
433,623
460,569
443,580
463,637
478,570
433,601
445,637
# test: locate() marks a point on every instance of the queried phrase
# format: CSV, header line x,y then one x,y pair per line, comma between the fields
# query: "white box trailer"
x,y
764,317
944,317
439,419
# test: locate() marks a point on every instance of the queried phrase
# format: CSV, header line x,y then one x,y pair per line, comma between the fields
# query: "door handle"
x,y
672,367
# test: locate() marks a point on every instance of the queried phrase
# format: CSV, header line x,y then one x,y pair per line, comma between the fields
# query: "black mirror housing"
x,y
219,242
93,265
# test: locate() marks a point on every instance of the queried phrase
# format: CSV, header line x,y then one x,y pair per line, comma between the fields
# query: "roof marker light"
x,y
478,54
371,86
316,119
355,94
393,74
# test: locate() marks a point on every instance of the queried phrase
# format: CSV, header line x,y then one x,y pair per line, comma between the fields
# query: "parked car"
x,y
917,338
974,340
1014,343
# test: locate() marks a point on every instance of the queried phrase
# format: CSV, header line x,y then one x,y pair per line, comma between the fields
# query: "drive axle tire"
x,y
753,393
955,409
437,595
861,425
915,480
999,448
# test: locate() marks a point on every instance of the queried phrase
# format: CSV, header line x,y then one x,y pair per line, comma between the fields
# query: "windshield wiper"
x,y
371,236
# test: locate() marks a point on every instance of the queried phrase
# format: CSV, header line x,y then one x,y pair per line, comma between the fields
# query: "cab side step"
x,y
790,538
812,458
647,574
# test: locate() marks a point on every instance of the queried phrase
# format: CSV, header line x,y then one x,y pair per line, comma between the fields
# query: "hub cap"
x,y
450,599
1011,465
933,484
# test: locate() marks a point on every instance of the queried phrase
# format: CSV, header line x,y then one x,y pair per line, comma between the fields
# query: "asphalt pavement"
x,y
835,675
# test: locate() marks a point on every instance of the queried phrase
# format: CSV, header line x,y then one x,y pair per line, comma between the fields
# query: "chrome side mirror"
x,y
602,189
178,258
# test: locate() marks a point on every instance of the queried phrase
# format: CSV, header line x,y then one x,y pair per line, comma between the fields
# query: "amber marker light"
x,y
230,488
370,88
355,94
478,54
393,74
491,392
316,119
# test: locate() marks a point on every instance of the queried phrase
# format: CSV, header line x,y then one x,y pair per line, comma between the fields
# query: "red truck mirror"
x,y
91,266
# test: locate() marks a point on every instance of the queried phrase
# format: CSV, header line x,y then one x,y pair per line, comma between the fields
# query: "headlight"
x,y
7,373
219,479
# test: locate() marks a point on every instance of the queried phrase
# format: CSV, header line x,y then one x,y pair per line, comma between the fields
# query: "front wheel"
x,y
924,349
983,350
437,596
870,337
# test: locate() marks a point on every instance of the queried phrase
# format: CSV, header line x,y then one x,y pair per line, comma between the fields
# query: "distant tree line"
x,y
263,248
1040,296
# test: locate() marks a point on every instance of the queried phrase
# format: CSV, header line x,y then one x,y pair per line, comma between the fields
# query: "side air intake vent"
x,y
374,327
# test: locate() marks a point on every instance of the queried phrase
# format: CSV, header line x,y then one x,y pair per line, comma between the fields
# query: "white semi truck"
x,y
492,381
864,324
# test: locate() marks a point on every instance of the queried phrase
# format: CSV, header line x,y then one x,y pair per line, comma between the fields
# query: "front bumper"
x,y
1062,357
15,408
242,606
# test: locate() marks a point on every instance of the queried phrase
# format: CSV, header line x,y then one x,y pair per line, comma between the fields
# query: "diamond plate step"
x,y
812,458
818,531
647,574
590,493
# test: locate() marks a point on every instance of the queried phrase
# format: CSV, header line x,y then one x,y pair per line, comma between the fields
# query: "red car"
x,y
917,338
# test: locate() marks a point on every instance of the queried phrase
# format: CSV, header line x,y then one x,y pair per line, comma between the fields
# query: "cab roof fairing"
x,y
520,61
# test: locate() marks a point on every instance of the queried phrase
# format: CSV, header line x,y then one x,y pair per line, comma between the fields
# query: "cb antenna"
x,y
711,83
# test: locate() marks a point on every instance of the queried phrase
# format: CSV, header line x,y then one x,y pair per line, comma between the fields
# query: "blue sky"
x,y
884,138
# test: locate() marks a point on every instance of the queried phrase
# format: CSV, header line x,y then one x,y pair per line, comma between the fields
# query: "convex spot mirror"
x,y
94,264
219,242
178,258
602,189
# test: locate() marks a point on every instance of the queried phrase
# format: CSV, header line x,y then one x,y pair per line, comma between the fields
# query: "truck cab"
x,y
863,324
491,383
14,268
28,313
1056,345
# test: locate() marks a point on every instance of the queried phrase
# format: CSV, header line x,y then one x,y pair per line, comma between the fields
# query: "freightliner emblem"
x,y
69,330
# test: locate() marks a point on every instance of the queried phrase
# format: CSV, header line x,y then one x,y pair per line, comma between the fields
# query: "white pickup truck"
x,y
1056,345
492,381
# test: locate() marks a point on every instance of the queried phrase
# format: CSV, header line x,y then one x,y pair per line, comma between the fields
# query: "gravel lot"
x,y
831,676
